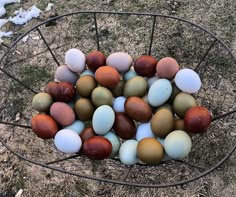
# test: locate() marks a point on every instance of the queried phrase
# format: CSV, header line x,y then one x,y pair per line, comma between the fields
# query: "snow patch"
x,y
49,7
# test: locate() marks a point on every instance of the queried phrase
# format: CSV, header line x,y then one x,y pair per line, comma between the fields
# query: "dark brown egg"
x,y
61,91
95,59
85,85
107,76
138,109
118,89
87,133
197,119
44,126
84,109
124,126
62,113
145,66
97,148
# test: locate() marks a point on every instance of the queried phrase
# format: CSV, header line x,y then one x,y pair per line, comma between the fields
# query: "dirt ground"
x,y
33,65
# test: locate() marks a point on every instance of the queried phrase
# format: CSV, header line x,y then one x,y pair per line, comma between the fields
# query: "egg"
x,y
42,102
84,109
85,85
115,141
128,152
103,119
120,61
174,93
95,59
165,106
67,141
178,144
75,60
87,133
144,131
77,126
159,92
137,86
166,156
124,126
97,148
129,75
138,109
145,65
162,123
182,103
44,126
188,81
167,67
102,96
151,80
197,119
179,125
118,89
119,104
63,73
150,151
87,72
62,113
107,76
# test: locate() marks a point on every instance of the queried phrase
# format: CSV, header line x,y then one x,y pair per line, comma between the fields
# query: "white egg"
x,y
144,131
119,104
77,126
103,119
130,74
115,141
63,73
128,152
75,60
151,80
67,141
87,72
188,80
166,156
159,92
178,144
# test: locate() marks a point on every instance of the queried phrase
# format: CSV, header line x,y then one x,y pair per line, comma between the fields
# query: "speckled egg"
x,y
63,73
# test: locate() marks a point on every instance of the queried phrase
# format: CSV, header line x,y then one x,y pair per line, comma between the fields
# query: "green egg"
x,y
164,106
42,102
118,89
102,96
175,92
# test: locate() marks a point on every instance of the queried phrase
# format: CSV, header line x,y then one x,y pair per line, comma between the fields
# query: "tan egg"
x,y
85,85
179,124
84,109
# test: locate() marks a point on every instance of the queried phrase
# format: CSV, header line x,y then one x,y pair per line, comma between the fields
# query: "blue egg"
x,y
87,72
115,141
130,74
144,131
77,126
166,156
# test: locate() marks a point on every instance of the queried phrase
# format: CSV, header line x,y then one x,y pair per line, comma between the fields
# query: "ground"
x,y
33,66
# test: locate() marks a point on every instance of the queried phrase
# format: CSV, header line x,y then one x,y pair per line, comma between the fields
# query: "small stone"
x,y
19,193
233,134
17,117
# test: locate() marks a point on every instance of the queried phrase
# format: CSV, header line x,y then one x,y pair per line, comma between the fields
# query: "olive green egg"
x,y
175,92
102,96
84,109
118,89
165,106
42,102
136,86
182,103
85,85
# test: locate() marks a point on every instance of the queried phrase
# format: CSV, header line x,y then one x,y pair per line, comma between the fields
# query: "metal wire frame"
x,y
94,14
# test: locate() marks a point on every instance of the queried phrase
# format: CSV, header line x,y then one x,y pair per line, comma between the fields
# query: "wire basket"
x,y
31,60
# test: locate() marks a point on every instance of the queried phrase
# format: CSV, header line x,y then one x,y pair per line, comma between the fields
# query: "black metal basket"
x,y
28,66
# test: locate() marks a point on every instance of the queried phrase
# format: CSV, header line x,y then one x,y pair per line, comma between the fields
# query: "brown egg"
x,y
145,66
95,59
97,148
87,133
167,67
162,123
62,113
107,76
197,119
138,109
179,125
62,91
84,109
124,126
150,151
44,126
85,85
118,89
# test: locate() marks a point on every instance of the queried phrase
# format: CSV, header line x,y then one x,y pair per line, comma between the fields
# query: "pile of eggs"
x,y
140,110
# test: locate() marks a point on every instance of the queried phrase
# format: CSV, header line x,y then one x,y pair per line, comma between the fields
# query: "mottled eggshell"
x,y
97,148
145,65
115,141
67,141
95,59
124,126
188,80
138,109
87,133
120,61
102,96
119,104
42,102
178,144
162,123
182,103
167,67
179,125
84,109
129,75
63,73
137,86
118,89
103,119
44,126
75,60
128,152
197,119
87,72
62,113
107,76
77,126
150,151
85,85
144,131
159,92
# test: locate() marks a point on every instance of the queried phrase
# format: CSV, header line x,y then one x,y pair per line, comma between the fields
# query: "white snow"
x,y
3,22
4,2
49,7
2,11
